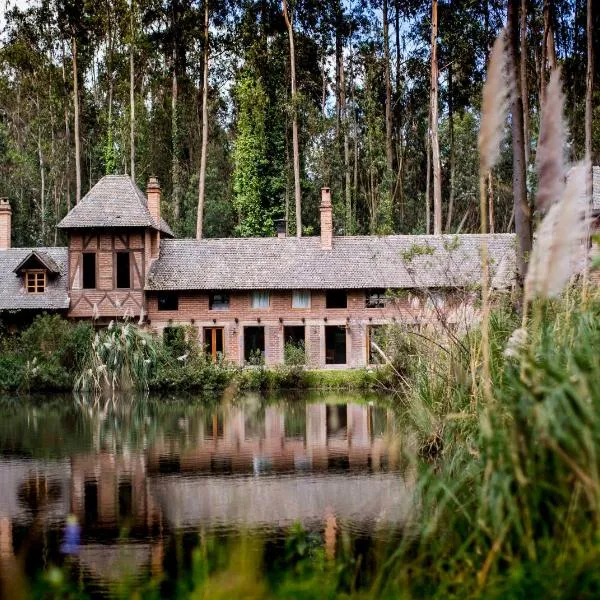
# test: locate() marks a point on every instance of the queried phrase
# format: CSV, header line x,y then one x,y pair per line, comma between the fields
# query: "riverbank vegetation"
x,y
56,355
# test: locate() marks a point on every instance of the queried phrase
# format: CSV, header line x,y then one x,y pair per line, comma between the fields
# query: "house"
x,y
246,297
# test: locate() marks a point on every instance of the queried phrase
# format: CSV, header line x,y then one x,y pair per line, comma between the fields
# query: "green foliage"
x,y
417,250
294,354
250,159
45,355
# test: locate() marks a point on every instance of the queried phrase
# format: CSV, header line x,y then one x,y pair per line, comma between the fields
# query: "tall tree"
x,y
204,150
76,118
589,92
389,149
435,138
132,89
296,148
521,207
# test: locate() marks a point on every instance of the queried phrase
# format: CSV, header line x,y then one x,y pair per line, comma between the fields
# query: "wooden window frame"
x,y
35,273
213,335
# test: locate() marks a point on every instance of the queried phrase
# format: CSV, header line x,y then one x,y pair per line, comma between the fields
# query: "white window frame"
x,y
257,300
297,294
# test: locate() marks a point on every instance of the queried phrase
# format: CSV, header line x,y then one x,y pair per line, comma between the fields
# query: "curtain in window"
x,y
300,299
260,299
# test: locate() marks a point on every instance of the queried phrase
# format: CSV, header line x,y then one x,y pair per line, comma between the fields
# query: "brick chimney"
x,y
326,219
5,224
281,226
153,194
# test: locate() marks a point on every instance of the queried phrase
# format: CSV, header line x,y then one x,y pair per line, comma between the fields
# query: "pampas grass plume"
x,y
495,103
560,241
550,158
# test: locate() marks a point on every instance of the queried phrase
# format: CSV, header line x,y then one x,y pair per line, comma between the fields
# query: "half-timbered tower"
x,y
114,236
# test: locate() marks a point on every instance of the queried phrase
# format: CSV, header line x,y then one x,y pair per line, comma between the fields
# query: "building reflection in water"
x,y
237,468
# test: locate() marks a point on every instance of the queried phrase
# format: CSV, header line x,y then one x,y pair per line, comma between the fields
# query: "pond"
x,y
124,495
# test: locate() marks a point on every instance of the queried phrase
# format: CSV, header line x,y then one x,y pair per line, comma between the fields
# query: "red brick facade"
x,y
193,310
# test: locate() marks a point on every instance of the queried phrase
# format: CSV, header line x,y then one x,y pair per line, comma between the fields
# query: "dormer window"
x,y
35,269
35,282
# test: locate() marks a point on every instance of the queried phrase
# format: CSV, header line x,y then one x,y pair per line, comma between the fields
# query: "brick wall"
x,y
356,318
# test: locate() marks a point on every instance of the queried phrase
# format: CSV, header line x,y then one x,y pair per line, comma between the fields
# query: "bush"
x,y
44,356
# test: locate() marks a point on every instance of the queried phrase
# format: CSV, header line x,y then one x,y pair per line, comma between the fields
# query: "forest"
x,y
244,109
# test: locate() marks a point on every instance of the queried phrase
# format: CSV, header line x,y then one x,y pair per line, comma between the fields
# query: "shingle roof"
x,y
596,188
12,293
40,257
115,201
394,261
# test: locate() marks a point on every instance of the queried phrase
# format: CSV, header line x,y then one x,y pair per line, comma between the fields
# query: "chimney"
x,y
153,194
281,226
326,219
5,224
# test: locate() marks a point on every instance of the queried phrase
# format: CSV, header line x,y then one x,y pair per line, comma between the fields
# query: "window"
x,y
335,345
376,299
35,282
213,341
168,301
260,300
300,299
218,301
336,299
123,270
89,270
254,345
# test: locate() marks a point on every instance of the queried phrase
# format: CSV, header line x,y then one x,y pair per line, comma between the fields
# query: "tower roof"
x,y
115,201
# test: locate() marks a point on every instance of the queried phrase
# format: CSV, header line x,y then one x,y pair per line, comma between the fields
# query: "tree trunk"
x,y
203,153
339,20
389,149
76,125
42,179
452,154
523,74
548,51
175,140
295,147
589,91
521,206
67,133
132,96
428,177
110,158
435,141
347,178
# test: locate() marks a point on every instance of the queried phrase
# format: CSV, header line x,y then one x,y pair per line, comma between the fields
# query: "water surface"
x,y
128,491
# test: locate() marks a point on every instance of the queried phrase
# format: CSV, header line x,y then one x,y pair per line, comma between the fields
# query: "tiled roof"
x,y
115,201
394,261
12,294
41,258
596,189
